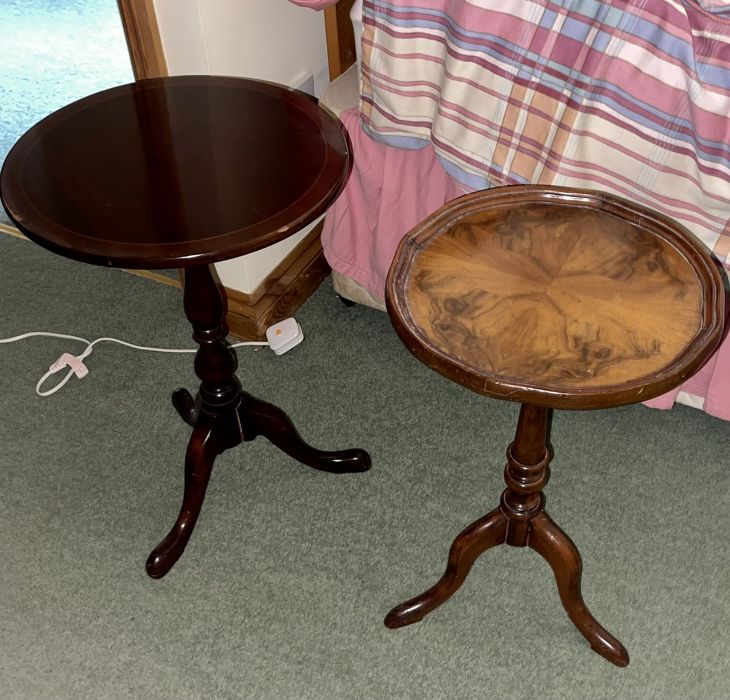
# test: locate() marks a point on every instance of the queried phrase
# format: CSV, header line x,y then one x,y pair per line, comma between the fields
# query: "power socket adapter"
x,y
285,335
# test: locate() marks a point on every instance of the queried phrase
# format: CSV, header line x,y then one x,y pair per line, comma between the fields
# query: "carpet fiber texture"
x,y
283,587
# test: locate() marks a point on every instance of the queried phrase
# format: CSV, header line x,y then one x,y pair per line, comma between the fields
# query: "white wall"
x,y
268,39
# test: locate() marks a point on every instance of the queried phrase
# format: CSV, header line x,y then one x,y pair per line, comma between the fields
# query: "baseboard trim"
x,y
279,296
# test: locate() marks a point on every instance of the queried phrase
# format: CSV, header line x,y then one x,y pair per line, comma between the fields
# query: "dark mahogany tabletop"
x,y
170,172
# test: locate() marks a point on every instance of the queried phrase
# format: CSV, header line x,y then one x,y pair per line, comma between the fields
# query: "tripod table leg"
x,y
480,536
548,540
261,418
202,450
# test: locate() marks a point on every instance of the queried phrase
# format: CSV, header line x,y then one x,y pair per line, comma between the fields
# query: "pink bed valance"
x,y
314,4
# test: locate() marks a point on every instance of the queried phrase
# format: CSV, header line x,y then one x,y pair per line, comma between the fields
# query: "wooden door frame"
x,y
340,37
143,38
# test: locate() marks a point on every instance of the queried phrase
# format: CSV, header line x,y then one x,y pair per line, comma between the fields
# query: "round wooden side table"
x,y
183,172
554,298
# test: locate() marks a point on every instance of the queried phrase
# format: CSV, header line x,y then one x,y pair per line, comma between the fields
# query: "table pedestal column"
x,y
521,521
223,416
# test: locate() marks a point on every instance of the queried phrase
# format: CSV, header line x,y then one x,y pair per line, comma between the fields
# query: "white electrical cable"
x,y
76,362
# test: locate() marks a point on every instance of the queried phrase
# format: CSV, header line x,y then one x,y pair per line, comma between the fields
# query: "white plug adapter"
x,y
285,335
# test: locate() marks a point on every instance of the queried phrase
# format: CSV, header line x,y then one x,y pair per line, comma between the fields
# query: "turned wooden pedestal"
x,y
554,298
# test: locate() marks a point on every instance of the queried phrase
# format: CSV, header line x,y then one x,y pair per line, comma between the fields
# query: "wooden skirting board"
x,y
279,296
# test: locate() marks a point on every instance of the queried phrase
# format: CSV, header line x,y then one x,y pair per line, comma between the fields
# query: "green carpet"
x,y
283,587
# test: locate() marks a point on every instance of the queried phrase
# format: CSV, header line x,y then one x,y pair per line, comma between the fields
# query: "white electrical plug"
x,y
285,335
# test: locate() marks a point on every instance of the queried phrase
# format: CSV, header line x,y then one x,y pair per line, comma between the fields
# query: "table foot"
x,y
548,540
261,418
186,405
480,536
202,450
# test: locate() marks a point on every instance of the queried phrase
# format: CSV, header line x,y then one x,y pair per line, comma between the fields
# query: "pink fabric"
x,y
390,190
314,4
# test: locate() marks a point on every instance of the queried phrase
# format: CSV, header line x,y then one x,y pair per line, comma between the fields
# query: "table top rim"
x,y
54,236
556,396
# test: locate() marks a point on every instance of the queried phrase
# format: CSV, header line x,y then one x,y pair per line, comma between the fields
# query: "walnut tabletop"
x,y
565,298
170,172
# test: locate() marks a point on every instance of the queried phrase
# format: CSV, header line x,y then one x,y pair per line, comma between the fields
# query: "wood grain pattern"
x,y
557,296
